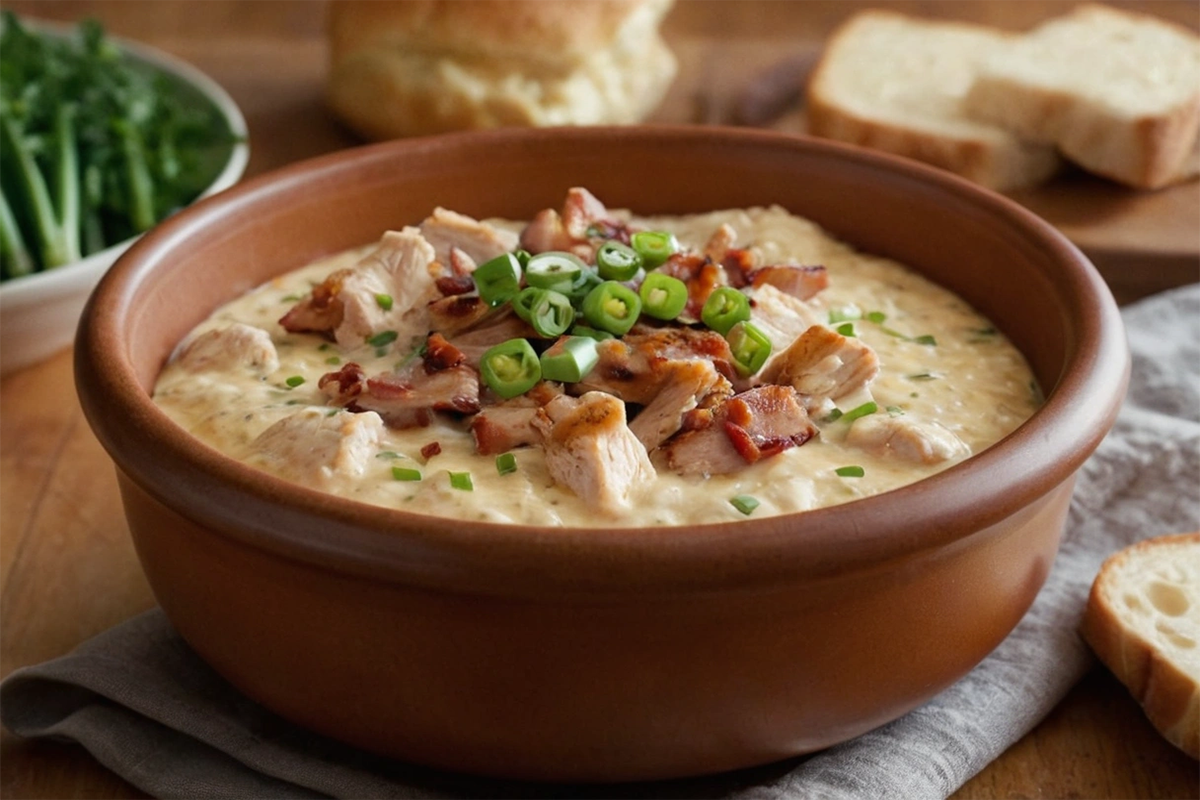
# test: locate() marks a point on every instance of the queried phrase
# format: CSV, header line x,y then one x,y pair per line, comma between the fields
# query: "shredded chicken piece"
x,y
448,231
591,451
640,366
906,439
235,346
312,446
823,365
583,223
780,316
509,425
691,382
799,282
756,424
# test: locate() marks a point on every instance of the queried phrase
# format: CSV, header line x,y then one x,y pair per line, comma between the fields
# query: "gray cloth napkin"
x,y
149,709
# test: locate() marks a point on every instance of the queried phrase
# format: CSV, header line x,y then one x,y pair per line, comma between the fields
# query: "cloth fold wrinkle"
x,y
153,712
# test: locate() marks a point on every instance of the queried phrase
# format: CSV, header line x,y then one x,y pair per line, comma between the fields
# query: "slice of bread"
x,y
1117,91
1143,621
897,83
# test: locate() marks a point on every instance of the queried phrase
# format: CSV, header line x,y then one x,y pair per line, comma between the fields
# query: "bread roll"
x,y
1143,621
415,67
897,83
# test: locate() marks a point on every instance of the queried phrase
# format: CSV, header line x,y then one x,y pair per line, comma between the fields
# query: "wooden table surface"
x,y
67,567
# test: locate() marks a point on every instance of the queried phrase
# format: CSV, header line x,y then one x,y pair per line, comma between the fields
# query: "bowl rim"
x,y
517,559
35,286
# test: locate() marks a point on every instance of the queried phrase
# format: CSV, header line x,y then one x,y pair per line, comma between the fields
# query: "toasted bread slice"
x,y
1118,92
1143,621
897,83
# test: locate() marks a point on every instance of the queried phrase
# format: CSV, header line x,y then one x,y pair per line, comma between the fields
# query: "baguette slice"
x,y
1143,621
897,83
1117,91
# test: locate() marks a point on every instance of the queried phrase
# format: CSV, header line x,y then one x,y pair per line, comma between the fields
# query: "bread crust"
x,y
1165,690
430,66
995,163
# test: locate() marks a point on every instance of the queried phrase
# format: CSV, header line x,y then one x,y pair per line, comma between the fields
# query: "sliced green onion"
x,y
860,411
654,247
663,297
588,280
499,279
551,313
570,359
382,339
510,368
553,270
506,463
384,301
744,503
461,481
388,454
612,307
845,329
291,298
832,416
523,303
724,308
878,317
335,360
850,472
617,262
523,257
406,474
926,339
750,347
294,381
591,333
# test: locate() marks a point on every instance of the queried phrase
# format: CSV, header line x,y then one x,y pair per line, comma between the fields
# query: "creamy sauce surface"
x,y
972,382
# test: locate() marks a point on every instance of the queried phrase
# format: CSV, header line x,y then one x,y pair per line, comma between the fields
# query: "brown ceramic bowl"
x,y
598,654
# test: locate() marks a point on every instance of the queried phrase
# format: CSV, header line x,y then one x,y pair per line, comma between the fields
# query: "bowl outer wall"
x,y
1027,278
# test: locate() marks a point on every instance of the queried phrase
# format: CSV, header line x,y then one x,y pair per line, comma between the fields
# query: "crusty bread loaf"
x,y
1118,92
897,84
409,67
1143,621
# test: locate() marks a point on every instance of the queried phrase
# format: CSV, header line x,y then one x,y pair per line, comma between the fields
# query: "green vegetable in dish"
x,y
94,147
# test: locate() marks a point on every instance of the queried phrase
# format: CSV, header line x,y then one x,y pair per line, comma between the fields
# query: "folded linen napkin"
x,y
148,708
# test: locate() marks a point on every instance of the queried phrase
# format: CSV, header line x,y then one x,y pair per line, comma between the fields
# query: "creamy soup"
x,y
897,380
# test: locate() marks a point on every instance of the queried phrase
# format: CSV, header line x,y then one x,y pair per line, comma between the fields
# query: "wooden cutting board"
x,y
1142,242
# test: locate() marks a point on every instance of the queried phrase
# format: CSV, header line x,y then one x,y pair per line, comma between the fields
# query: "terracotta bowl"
x,y
598,654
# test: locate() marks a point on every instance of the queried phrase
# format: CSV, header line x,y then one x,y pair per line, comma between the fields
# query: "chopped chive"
x,y
744,503
294,381
926,339
895,411
384,301
837,315
291,298
380,352
324,346
877,317
988,331
832,416
845,329
406,474
382,338
865,409
850,472
461,480
922,376
388,454
333,360
506,463
333,412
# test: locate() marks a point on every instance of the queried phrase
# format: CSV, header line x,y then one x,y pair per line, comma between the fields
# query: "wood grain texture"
x,y
68,570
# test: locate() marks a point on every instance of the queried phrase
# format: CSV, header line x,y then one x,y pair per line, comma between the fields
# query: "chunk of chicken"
x,y
907,439
744,429
780,316
799,282
310,446
591,451
448,230
348,303
641,365
583,223
690,383
236,346
509,425
823,365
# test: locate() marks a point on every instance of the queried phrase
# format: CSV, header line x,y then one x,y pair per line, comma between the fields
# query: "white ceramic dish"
x,y
39,312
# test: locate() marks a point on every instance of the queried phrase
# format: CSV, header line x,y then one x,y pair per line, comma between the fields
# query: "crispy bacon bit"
x,y
701,276
744,429
318,313
405,399
451,285
350,380
799,282
430,450
440,354
738,265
